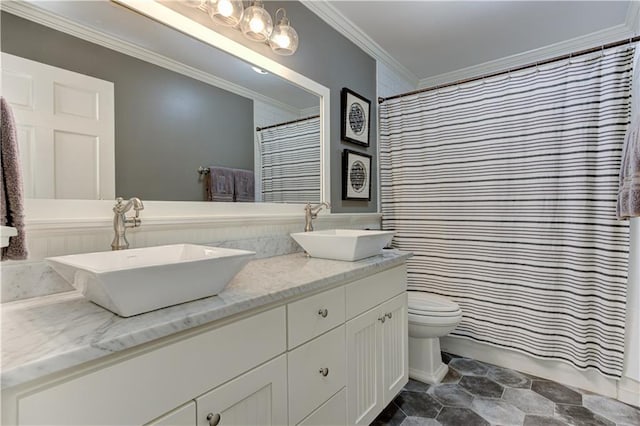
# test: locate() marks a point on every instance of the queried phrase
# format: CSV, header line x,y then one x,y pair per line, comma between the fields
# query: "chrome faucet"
x,y
310,213
121,222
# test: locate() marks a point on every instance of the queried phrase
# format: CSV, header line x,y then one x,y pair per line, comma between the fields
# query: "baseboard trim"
x,y
626,390
629,391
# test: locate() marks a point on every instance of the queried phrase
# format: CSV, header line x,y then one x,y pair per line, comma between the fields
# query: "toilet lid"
x,y
428,303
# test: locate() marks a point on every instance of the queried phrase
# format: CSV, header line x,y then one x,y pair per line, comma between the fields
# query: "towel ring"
x,y
203,170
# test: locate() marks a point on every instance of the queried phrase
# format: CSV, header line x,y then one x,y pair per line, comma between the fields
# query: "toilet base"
x,y
425,360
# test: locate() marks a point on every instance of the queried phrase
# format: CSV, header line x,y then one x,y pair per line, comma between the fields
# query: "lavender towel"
x,y
629,191
222,184
11,189
244,184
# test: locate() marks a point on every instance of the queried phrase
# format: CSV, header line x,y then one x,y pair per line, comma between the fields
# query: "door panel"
x,y
258,397
394,340
364,401
70,145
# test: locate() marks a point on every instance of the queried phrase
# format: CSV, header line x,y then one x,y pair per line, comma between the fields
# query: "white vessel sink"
x,y
343,244
130,282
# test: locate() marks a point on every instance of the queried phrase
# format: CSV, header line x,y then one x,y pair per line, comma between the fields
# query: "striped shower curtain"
x,y
290,157
505,191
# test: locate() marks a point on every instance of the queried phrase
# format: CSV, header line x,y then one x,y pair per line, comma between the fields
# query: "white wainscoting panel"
x,y
267,235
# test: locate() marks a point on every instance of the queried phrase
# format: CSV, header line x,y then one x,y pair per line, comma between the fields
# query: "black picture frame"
x,y
356,175
355,117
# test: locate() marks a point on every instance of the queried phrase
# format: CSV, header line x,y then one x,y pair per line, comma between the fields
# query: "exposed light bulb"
x,y
256,25
282,40
225,12
225,8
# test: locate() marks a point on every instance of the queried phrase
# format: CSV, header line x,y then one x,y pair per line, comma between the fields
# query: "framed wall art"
x,y
356,176
355,117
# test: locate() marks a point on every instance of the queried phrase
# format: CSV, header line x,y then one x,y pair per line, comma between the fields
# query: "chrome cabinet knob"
x,y
388,315
324,372
323,312
382,319
213,419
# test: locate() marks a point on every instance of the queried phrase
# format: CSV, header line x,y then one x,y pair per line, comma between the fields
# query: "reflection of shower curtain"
x,y
505,190
291,162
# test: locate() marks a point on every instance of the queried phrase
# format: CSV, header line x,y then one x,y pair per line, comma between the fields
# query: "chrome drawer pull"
x,y
213,419
324,372
323,312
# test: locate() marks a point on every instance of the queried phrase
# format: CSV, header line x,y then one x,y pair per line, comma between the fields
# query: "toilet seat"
x,y
426,304
433,320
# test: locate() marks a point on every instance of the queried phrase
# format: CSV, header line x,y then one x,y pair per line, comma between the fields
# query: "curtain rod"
x,y
518,68
287,122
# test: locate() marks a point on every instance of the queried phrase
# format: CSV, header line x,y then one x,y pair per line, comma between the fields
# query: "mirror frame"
x,y
48,212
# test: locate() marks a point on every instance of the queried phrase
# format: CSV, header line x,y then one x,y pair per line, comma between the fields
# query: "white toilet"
x,y
430,317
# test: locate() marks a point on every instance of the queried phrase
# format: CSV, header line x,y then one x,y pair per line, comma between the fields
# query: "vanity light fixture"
x,y
284,38
256,23
226,12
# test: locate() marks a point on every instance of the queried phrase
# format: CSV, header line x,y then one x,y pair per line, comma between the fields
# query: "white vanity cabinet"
x,y
377,345
144,385
332,358
181,416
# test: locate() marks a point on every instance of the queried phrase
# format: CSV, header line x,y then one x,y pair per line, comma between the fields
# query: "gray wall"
x,y
166,124
329,58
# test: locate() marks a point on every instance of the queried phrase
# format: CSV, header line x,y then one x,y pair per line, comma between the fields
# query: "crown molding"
x,y
588,41
329,14
43,17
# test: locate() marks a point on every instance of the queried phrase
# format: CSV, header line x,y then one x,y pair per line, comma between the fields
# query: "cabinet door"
x,y
258,397
394,339
364,399
183,416
331,413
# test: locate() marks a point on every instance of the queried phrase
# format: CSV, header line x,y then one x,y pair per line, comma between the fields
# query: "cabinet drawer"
x,y
368,292
308,386
161,379
331,413
312,316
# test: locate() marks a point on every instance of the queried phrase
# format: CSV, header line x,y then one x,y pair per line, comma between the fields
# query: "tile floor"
x,y
475,393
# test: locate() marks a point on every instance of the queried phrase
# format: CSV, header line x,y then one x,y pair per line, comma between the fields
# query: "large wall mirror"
x,y
187,104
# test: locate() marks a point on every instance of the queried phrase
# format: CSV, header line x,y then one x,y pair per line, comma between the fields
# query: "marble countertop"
x,y
45,335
